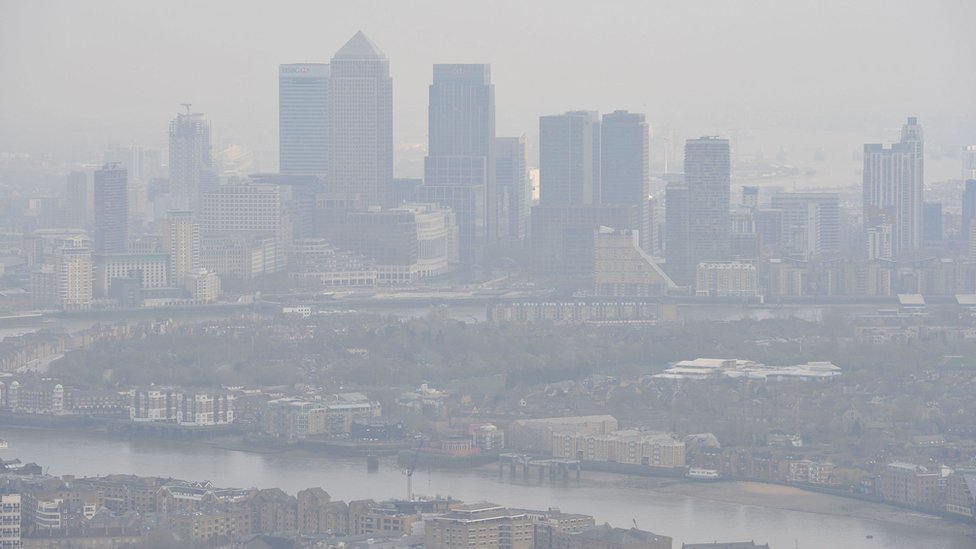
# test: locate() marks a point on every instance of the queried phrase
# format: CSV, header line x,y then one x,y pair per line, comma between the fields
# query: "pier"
x,y
524,467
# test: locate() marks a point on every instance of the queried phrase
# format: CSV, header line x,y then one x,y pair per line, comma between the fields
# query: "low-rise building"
x,y
481,525
910,484
630,447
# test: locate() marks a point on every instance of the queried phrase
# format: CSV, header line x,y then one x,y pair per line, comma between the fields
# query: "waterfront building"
x,y
536,435
111,210
605,536
628,447
910,484
65,280
187,408
191,170
361,133
892,187
304,119
563,238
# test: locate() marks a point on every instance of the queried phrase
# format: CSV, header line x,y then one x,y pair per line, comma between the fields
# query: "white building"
x,y
202,285
171,405
151,269
10,510
182,243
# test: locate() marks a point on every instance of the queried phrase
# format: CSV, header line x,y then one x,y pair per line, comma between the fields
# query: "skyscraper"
x,y
968,207
512,184
461,123
76,200
892,187
568,165
625,175
361,136
191,171
708,173
303,119
969,162
111,210
182,243
680,265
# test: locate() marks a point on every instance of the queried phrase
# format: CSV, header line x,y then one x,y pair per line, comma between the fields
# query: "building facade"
x,y
111,210
892,186
303,118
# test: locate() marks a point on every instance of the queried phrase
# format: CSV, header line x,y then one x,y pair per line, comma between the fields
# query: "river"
x,y
685,518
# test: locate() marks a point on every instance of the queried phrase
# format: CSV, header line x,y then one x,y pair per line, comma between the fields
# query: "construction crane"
x,y
411,469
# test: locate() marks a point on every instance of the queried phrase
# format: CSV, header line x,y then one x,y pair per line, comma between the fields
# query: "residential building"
x,y
10,521
361,132
961,492
152,270
111,210
910,484
810,222
202,285
893,183
708,178
536,435
605,536
481,525
182,243
622,268
304,118
726,279
628,446
187,408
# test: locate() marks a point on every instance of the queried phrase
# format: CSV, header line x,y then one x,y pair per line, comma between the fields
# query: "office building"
x,y
563,238
513,188
624,165
679,263
202,285
461,123
457,182
968,206
182,243
621,268
361,134
64,281
76,200
151,270
810,222
969,162
111,210
726,279
931,221
569,162
708,178
191,170
303,118
892,187
243,208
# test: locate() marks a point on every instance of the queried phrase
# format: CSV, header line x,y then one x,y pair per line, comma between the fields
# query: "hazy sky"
x,y
79,75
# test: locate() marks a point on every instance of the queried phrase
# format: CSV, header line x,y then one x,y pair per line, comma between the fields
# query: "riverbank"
x,y
791,498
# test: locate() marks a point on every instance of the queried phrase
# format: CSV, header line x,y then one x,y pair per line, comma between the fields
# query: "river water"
x,y
685,518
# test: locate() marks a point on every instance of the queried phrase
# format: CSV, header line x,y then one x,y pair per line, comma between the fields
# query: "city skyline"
x,y
703,112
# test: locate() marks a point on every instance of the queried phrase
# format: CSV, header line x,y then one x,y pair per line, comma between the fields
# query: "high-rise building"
x,y
968,206
10,521
191,171
810,222
625,172
708,171
182,243
303,118
969,162
76,200
361,135
461,126
513,188
569,159
457,182
931,221
677,248
111,210
893,185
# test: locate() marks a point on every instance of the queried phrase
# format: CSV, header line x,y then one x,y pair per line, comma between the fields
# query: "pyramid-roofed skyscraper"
x,y
361,104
